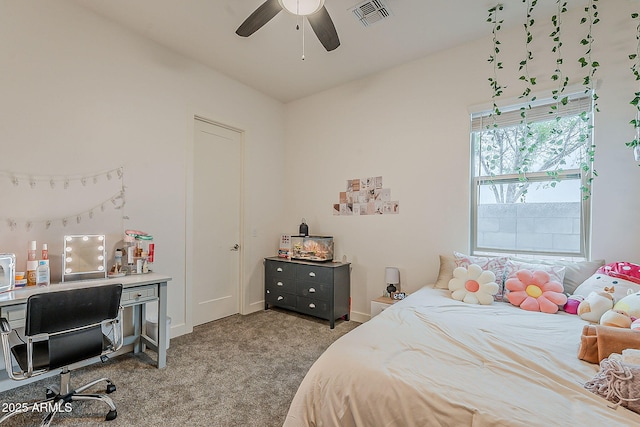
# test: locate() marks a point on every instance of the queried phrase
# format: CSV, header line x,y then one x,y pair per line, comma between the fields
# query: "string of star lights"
x,y
116,201
61,181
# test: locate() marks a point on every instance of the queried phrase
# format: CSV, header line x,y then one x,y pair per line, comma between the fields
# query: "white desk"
x,y
137,291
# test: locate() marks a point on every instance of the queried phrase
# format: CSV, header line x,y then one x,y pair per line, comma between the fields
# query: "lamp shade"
x,y
302,7
391,275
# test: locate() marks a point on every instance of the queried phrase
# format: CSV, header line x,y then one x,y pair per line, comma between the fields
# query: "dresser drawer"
x,y
279,269
314,274
280,284
320,291
281,299
136,295
314,307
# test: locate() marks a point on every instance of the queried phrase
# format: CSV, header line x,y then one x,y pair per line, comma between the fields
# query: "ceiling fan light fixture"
x,y
301,7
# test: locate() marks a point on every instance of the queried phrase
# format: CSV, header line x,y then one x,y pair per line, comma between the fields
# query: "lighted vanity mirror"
x,y
84,257
7,271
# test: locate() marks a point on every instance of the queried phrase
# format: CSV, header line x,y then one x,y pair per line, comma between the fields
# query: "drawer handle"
x,y
279,269
312,305
280,284
312,290
138,295
268,291
280,297
312,274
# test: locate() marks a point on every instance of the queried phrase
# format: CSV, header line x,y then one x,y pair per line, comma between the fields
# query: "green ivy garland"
x,y
530,82
558,76
635,68
524,64
587,60
493,58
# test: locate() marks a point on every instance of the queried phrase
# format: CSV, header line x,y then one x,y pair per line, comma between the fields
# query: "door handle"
x,y
235,247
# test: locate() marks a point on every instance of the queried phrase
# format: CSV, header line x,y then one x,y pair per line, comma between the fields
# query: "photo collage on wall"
x,y
366,196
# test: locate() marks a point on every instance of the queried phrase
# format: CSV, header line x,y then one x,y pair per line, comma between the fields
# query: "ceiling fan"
x,y
314,10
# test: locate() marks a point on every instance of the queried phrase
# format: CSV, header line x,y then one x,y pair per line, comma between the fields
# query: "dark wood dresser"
x,y
319,289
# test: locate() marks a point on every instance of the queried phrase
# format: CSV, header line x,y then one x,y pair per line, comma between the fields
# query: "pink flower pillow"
x,y
535,291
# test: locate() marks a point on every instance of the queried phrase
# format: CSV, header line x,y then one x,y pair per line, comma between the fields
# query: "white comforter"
x,y
432,361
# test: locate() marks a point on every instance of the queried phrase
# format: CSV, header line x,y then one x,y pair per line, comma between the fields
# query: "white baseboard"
x,y
359,317
179,329
254,307
354,315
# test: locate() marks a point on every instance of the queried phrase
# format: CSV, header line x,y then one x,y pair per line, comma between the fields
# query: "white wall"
x,y
79,94
410,125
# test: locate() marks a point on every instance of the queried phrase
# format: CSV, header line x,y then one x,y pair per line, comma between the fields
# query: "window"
x,y
530,171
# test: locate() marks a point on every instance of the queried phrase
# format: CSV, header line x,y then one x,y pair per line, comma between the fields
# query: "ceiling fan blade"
x,y
325,30
259,17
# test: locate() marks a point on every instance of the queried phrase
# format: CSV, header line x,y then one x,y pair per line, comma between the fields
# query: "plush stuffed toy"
x,y
629,304
534,291
473,285
622,270
573,301
616,318
596,304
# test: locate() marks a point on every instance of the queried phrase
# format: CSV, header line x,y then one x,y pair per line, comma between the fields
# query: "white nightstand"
x,y
379,304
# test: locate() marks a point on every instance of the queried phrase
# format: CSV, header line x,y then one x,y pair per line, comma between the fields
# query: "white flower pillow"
x,y
493,264
473,285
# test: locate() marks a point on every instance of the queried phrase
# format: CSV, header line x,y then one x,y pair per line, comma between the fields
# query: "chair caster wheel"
x,y
50,394
111,388
111,415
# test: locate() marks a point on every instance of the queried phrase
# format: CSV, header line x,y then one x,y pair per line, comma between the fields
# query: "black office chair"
x,y
62,328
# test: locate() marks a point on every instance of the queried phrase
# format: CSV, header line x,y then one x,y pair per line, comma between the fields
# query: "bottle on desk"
x,y
32,264
43,276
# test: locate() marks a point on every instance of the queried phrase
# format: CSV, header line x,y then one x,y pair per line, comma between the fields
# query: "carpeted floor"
x,y
237,371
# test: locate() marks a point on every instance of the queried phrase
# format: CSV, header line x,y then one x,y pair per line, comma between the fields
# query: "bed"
x,y
430,360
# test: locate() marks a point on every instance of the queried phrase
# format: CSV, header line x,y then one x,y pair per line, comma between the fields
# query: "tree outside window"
x,y
530,192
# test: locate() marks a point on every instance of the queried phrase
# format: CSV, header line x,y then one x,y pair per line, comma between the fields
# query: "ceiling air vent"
x,y
371,11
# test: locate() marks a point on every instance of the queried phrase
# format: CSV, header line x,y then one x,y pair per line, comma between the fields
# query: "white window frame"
x,y
511,115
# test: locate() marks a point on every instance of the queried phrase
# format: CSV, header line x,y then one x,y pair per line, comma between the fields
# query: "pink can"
x,y
152,249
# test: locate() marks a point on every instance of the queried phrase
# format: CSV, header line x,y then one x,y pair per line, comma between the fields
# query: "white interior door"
x,y
216,211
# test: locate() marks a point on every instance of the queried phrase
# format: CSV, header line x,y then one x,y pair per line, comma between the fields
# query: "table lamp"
x,y
392,278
